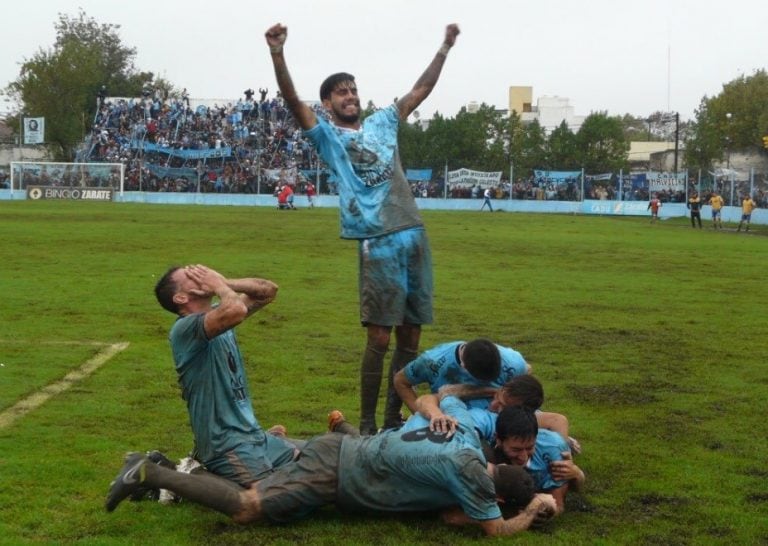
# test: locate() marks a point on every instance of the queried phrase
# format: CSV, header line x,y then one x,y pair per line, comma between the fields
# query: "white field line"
x,y
37,399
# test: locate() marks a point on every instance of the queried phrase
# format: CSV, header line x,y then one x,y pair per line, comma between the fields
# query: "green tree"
x,y
533,149
62,83
563,149
601,144
736,119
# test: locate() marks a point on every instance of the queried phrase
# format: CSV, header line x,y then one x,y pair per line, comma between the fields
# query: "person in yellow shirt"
x,y
716,202
747,206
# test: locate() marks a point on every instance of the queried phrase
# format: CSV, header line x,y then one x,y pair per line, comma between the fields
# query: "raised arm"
x,y
424,85
303,114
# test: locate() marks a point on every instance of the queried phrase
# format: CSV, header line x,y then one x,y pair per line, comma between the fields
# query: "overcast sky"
x,y
632,57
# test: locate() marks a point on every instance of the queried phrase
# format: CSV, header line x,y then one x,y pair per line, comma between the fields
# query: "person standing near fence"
x,y
311,193
694,204
747,206
654,205
716,202
378,209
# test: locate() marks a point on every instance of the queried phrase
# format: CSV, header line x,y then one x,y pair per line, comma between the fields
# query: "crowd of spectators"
x,y
174,144
248,146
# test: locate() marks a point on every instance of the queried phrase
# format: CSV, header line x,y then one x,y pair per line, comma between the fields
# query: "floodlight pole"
x,y
677,140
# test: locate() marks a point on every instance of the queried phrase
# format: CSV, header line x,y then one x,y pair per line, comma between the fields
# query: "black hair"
x,y
516,422
527,389
481,359
330,83
513,484
165,289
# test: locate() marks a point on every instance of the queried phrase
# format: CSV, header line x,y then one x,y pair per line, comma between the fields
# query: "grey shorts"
x,y
396,279
297,489
250,462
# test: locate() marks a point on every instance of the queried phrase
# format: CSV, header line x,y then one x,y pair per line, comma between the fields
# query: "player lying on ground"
x,y
395,471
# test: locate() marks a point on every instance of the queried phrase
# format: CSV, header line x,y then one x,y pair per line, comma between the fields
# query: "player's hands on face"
x,y
276,35
207,279
451,31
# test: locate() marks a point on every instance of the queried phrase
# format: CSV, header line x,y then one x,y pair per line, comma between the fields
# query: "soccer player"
x,y
377,208
747,206
229,440
517,439
393,471
479,362
716,202
694,204
654,205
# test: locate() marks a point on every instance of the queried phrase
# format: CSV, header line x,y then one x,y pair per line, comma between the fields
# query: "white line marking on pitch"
x,y
37,399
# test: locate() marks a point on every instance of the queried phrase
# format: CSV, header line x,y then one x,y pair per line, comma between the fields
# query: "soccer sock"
x,y
201,487
370,384
400,358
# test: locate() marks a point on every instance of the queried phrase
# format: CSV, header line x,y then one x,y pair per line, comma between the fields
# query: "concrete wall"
x,y
606,208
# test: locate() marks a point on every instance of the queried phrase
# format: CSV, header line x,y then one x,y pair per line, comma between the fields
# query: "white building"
x,y
550,111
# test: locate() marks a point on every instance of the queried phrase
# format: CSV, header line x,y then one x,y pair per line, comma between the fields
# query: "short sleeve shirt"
x,y
415,470
375,198
441,366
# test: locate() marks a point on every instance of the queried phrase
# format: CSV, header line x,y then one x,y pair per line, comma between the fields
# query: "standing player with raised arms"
x,y
378,209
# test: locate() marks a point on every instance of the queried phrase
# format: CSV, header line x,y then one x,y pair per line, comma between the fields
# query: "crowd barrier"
x,y
604,208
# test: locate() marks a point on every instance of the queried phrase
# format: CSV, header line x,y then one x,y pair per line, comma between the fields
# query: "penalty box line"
x,y
37,399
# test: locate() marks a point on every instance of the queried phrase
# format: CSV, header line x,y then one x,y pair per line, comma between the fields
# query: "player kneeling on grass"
x,y
395,471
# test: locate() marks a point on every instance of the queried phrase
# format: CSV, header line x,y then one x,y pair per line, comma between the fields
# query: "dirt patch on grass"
x,y
631,394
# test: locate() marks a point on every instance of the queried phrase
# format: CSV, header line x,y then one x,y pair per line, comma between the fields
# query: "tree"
x,y
533,148
563,150
63,82
601,144
737,118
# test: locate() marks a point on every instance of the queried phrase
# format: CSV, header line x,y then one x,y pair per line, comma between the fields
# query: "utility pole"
x,y
677,139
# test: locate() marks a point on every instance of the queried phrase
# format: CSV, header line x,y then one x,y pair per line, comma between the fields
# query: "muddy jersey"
x,y
214,386
375,198
441,366
416,470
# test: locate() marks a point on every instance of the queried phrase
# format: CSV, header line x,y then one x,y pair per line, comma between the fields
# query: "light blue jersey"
x,y
215,388
374,195
415,470
441,366
549,447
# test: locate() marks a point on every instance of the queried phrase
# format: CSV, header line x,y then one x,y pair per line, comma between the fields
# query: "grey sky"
x,y
620,56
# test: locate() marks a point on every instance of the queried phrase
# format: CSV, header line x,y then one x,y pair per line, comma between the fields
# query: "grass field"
x,y
650,338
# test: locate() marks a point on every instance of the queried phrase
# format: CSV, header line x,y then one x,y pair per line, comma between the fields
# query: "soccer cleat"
x,y
160,459
335,418
127,482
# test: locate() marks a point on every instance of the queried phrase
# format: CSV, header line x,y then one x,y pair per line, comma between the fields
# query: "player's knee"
x,y
250,507
378,337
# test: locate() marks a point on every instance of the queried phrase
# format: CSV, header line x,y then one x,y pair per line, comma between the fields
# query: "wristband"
x,y
276,49
444,49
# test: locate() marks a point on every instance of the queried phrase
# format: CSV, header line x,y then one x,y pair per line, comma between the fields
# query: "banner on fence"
x,y
418,175
557,177
662,181
37,193
605,177
224,151
282,176
468,177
